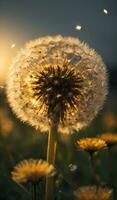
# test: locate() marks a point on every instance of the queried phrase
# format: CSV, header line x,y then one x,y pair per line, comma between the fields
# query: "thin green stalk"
x,y
109,167
93,170
35,192
51,154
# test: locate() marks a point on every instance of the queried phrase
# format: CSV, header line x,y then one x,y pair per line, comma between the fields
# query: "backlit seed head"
x,y
57,79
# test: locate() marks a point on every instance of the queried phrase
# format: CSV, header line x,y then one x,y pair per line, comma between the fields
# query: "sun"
x,y
2,68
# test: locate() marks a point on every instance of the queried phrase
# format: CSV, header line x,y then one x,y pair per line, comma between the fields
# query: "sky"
x,y
24,20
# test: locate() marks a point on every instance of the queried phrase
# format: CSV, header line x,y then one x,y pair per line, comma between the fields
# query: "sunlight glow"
x,y
6,56
2,68
13,46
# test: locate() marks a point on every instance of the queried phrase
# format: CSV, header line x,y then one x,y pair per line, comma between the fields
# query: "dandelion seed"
x,y
78,27
93,193
13,46
32,171
105,11
57,89
73,167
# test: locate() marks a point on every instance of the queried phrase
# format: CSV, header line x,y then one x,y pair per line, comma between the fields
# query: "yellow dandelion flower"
x,y
6,125
109,138
110,120
32,171
57,79
93,193
91,144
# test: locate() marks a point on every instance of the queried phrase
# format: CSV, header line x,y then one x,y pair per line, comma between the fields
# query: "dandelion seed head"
x,y
52,87
93,193
32,171
58,79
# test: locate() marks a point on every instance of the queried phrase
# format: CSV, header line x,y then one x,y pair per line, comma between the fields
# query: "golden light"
x,y
11,40
2,68
6,56
13,46
1,64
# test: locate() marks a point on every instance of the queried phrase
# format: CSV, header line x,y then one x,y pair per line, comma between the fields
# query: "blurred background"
x,y
94,22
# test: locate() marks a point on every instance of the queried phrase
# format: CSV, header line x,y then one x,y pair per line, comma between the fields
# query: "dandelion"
x,y
93,193
6,125
57,78
32,171
91,144
109,138
58,84
110,120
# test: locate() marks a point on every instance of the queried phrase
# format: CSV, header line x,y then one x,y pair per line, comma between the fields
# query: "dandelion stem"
x,y
109,168
34,192
94,175
51,154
